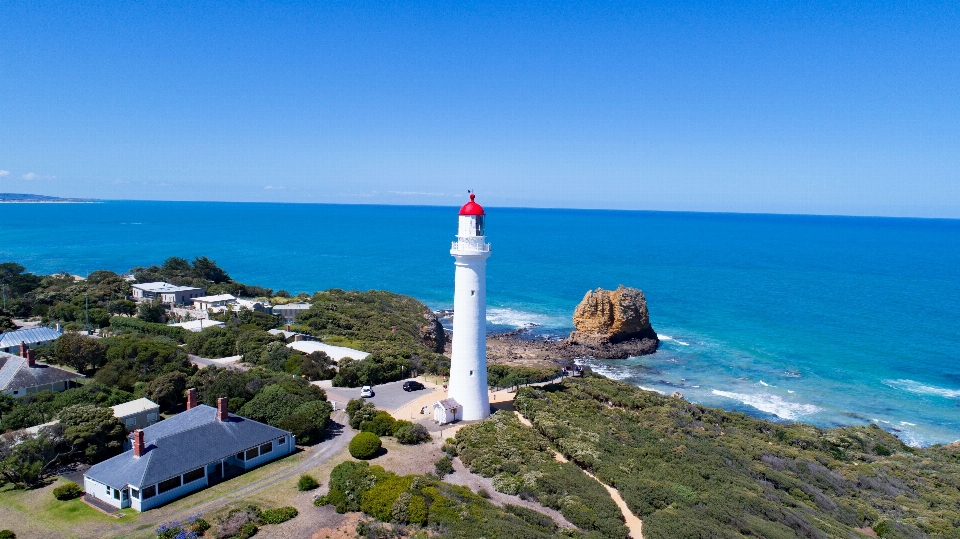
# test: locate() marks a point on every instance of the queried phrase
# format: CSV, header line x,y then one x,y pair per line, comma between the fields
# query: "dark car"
x,y
411,385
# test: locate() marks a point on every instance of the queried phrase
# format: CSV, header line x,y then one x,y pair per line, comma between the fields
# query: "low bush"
x,y
443,466
239,523
135,325
68,491
278,515
408,433
192,528
365,445
7,534
307,482
382,424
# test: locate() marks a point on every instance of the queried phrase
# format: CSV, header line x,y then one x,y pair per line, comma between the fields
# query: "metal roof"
x,y
292,307
16,373
28,335
160,286
134,407
184,442
447,404
218,297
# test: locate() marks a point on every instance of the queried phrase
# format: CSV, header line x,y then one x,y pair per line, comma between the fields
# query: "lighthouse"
x,y
468,364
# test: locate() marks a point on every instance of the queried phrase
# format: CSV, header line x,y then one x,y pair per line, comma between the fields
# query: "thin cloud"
x,y
274,187
30,176
4,172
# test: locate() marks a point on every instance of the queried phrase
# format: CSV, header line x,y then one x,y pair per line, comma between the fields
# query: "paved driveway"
x,y
389,396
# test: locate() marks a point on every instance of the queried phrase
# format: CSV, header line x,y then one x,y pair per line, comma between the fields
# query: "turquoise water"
x,y
830,320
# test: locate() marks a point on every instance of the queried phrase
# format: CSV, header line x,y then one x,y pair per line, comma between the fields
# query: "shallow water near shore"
x,y
829,320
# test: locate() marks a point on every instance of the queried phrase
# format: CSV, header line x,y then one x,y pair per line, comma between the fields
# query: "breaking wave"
x,y
918,388
669,338
772,404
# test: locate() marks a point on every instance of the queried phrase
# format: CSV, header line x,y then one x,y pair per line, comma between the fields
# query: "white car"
x,y
365,392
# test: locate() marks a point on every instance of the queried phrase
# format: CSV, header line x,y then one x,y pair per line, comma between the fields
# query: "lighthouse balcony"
x,y
470,244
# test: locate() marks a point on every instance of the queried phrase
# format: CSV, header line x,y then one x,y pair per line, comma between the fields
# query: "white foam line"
x,y
921,389
772,404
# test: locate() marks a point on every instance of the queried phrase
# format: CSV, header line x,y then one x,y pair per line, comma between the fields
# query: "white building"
x,y
213,302
32,337
167,293
447,411
137,414
468,363
336,353
199,325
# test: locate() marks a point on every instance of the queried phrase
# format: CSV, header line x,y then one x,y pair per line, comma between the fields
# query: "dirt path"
x,y
634,524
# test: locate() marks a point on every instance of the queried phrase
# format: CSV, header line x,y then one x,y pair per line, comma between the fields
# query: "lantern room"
x,y
471,219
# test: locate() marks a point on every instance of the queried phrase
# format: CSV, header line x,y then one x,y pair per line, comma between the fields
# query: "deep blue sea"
x,y
828,320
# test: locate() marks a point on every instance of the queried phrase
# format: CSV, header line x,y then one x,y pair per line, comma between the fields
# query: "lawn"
x,y
36,513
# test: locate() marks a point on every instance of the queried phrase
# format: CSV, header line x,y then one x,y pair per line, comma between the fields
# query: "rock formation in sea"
x,y
612,324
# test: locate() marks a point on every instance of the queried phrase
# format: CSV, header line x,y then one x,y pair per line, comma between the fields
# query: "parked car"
x,y
366,392
412,385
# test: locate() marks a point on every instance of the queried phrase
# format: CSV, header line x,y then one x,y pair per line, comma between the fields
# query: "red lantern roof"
x,y
472,208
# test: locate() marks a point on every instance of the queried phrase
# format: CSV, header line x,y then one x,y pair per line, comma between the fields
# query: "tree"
x,y
152,311
80,352
99,317
25,460
208,270
167,390
212,342
93,432
6,321
122,306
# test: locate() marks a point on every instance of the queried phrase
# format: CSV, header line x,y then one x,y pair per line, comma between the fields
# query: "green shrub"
x,y
7,534
417,510
365,445
68,491
135,325
306,482
408,433
379,500
382,424
278,515
443,466
449,449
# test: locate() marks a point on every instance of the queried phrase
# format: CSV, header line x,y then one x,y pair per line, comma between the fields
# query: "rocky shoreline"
x,y
518,347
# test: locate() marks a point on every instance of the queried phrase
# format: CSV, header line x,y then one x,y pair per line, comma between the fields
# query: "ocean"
x,y
827,320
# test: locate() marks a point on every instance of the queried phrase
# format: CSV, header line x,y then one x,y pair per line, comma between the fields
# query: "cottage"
x,y
290,310
21,376
166,293
187,452
32,337
218,302
138,414
254,305
447,411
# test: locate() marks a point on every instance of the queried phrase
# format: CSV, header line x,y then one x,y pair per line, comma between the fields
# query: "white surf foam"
x,y
772,404
669,338
764,384
515,318
922,389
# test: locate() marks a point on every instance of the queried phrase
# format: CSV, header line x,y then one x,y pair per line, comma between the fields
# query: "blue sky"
x,y
835,108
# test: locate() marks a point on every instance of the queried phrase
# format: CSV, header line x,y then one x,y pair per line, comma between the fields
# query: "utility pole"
x,y
4,297
87,301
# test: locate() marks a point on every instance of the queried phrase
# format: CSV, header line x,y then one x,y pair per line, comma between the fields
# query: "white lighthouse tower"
x,y
468,365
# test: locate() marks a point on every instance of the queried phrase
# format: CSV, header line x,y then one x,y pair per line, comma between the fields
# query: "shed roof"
x,y
447,404
183,443
16,373
211,299
28,335
134,407
292,307
336,353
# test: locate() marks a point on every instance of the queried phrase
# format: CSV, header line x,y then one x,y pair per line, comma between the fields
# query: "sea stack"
x,y
468,362
612,324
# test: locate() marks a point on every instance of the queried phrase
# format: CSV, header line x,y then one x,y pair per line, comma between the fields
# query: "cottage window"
x,y
149,492
252,454
134,493
282,440
169,484
152,416
131,421
266,448
240,455
192,475
116,494
109,491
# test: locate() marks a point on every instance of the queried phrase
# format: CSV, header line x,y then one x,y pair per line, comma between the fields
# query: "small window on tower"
x,y
471,373
473,292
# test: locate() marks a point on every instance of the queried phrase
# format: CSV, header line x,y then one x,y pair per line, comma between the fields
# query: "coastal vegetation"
x,y
692,471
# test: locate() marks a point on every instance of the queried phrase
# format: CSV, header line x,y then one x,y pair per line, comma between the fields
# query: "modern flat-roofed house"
x,y
254,305
185,453
290,310
21,376
32,337
170,294
213,302
138,414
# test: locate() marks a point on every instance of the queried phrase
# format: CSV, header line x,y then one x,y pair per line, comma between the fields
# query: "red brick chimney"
x,y
191,398
222,413
297,338
31,360
23,349
139,448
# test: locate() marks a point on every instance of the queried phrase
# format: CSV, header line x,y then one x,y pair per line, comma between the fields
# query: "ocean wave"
x,y
764,384
922,389
514,318
669,338
772,404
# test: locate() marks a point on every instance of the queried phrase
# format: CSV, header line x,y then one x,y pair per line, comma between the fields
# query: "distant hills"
x,y
22,197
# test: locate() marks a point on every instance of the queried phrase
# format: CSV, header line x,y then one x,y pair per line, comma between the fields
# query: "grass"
x,y
37,512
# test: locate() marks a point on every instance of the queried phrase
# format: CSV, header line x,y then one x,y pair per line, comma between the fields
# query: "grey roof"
x,y
184,442
160,287
29,336
292,307
16,373
448,404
